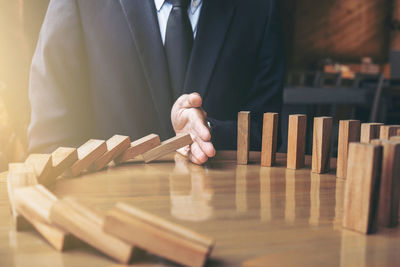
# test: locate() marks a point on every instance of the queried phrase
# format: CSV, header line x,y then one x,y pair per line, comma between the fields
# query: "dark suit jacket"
x,y
100,69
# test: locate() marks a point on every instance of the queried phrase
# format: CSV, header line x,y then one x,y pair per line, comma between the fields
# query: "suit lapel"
x,y
143,24
215,19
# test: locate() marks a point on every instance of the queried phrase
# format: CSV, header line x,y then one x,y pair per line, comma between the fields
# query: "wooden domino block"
x,y
269,139
321,144
349,131
362,188
19,175
116,145
34,203
388,211
63,159
42,165
158,236
395,138
139,147
243,137
296,141
86,224
88,153
370,131
387,131
167,147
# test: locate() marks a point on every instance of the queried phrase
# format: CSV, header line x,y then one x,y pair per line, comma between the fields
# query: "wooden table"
x,y
258,216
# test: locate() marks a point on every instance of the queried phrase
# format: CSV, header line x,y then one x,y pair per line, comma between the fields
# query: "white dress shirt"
x,y
164,9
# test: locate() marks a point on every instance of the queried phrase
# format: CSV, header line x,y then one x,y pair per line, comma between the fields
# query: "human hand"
x,y
187,116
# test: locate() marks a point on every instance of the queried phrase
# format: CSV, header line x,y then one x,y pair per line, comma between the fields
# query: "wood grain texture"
x,y
167,147
19,175
88,153
243,137
43,166
116,145
296,141
362,188
390,182
34,203
269,139
63,158
86,224
370,131
139,147
321,144
387,131
158,236
349,131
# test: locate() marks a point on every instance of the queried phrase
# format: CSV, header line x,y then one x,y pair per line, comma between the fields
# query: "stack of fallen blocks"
x,y
368,158
62,222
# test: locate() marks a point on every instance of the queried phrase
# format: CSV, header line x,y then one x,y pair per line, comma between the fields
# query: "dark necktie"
x,y
178,44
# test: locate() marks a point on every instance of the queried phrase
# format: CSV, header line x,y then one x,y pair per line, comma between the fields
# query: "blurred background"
x,y
343,60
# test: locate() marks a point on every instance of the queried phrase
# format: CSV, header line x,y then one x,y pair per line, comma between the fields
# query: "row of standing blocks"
x,y
368,158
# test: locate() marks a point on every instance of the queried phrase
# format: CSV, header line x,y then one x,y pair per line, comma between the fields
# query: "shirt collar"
x,y
159,4
193,7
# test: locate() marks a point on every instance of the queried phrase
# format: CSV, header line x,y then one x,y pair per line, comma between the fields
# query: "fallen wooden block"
x,y
34,203
296,141
389,185
243,137
370,131
321,144
86,225
269,139
116,145
167,147
395,138
139,147
387,131
19,175
158,236
88,153
42,165
349,131
63,159
362,188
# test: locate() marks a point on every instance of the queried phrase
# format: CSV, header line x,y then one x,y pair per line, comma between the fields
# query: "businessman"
x,y
134,67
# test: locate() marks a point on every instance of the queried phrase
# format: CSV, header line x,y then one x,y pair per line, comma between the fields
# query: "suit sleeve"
x,y
59,84
265,94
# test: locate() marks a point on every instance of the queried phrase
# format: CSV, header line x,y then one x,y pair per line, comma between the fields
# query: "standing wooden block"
x,y
362,188
387,131
158,236
63,159
269,139
167,147
88,153
243,137
321,144
43,166
296,141
86,225
349,131
390,181
19,175
370,131
139,147
116,145
34,203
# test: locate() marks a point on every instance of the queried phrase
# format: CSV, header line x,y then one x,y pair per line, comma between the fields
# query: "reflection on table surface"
x,y
258,216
